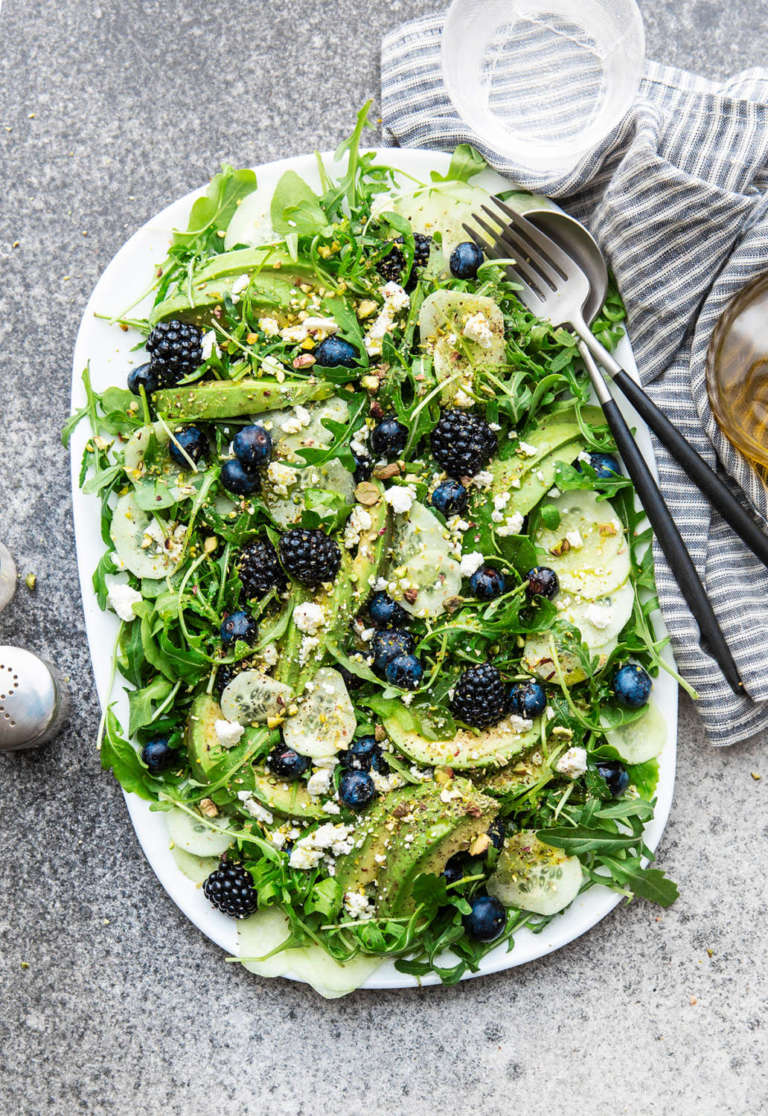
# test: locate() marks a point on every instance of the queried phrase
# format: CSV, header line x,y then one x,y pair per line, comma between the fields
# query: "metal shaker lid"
x,y
32,706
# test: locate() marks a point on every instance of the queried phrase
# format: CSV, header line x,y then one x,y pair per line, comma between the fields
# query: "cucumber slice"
x,y
251,223
325,722
268,928
129,531
286,510
195,868
194,836
601,620
533,876
442,320
168,483
640,740
440,208
251,698
596,564
422,560
538,658
489,747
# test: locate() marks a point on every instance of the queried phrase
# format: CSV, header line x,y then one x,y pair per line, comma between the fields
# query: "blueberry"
x,y
287,764
487,583
632,685
334,352
527,699
387,644
386,613
143,376
615,775
351,681
404,671
465,260
455,868
192,441
356,789
497,831
605,464
239,625
389,437
363,467
252,446
450,497
542,582
486,920
237,479
361,752
158,755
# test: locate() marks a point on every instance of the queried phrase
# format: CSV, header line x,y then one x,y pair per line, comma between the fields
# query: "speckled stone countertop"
x,y
111,1002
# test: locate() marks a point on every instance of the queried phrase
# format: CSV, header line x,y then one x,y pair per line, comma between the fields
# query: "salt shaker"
x,y
34,701
7,576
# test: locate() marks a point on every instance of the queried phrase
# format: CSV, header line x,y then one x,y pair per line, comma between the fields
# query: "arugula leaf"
x,y
122,759
142,703
216,208
466,162
296,207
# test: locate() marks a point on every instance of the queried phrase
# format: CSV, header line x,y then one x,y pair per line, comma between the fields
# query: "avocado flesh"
x,y
274,279
203,748
537,483
437,830
223,399
516,778
291,799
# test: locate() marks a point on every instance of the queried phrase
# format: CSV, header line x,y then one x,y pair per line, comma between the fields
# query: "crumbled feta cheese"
x,y
477,328
461,399
519,724
395,300
574,540
584,457
255,808
240,284
270,326
308,617
513,525
470,563
208,344
357,905
281,477
447,794
494,427
296,421
331,808
572,763
554,492
400,497
308,645
380,585
359,521
269,655
271,366
501,500
385,783
599,616
309,850
483,479
319,781
228,733
121,599
526,449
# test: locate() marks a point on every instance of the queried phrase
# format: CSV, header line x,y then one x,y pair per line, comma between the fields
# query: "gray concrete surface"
x,y
110,1002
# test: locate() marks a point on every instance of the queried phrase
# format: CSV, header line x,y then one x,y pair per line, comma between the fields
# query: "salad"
x,y
384,593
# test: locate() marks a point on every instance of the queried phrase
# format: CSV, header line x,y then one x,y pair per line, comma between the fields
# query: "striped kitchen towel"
x,y
678,199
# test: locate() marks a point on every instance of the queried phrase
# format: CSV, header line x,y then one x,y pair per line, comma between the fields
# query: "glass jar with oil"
x,y
737,373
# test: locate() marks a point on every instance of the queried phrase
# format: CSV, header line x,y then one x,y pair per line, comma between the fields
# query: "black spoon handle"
x,y
705,479
670,540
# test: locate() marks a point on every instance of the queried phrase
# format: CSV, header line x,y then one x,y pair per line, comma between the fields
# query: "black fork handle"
x,y
671,543
705,479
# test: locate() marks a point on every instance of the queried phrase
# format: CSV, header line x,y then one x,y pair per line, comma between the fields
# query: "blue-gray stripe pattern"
x,y
677,199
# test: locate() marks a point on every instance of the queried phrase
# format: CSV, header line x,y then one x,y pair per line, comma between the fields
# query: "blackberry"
x,y
462,443
259,569
230,889
479,698
392,266
310,556
176,350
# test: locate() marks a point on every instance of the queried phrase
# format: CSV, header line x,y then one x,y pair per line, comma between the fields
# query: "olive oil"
x,y
737,373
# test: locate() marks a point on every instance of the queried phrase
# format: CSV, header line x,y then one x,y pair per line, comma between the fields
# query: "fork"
x,y
554,287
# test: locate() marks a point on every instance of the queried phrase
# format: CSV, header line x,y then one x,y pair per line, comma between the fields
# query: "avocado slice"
x,y
273,280
223,399
515,778
291,799
200,739
414,830
464,749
